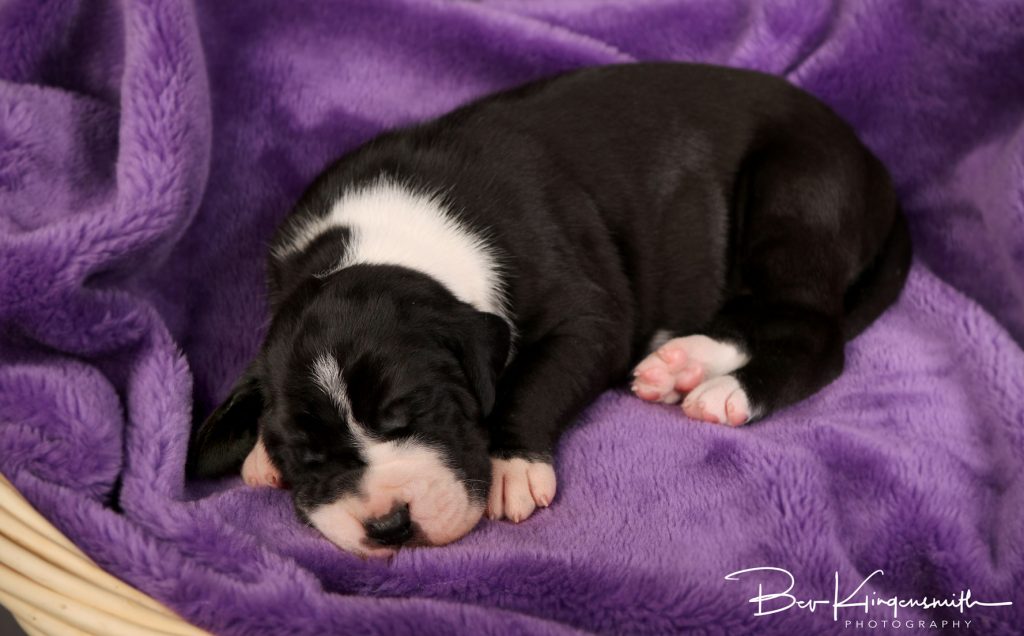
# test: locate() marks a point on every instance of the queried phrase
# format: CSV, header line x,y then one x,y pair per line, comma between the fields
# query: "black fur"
x,y
623,200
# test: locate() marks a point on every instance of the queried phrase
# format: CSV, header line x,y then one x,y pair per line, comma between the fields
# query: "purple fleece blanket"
x,y
148,148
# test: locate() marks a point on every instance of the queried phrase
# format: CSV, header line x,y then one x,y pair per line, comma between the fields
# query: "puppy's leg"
x,y
794,351
781,339
544,388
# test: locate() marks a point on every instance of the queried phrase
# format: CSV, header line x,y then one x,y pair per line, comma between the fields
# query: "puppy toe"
x,y
518,487
654,382
689,377
737,409
673,356
655,377
654,394
542,483
496,496
519,504
720,400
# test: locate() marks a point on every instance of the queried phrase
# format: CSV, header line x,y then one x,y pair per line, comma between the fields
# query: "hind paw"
x,y
721,400
681,365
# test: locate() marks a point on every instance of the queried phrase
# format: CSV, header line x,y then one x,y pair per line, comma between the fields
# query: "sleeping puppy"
x,y
448,297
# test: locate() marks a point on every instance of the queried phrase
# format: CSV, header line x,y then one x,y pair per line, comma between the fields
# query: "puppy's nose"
x,y
393,529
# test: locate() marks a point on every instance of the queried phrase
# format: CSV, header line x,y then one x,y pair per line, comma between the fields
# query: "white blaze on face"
x,y
397,472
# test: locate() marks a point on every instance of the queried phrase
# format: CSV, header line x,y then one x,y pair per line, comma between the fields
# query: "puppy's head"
x,y
370,394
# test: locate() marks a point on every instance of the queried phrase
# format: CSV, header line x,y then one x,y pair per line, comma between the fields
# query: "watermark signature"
x,y
863,604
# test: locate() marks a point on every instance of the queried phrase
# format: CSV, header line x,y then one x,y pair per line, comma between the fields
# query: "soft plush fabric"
x,y
149,148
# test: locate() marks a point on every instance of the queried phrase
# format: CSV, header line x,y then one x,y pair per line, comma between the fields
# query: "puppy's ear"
x,y
220,444
485,347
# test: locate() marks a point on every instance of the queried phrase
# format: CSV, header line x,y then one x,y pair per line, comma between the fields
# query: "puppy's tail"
x,y
879,285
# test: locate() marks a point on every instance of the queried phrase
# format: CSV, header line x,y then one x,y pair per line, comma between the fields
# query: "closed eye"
x,y
392,425
394,416
313,458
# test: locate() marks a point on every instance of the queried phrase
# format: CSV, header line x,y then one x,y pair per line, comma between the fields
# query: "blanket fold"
x,y
148,148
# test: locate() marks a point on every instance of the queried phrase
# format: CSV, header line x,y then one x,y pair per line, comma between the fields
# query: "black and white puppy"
x,y
449,296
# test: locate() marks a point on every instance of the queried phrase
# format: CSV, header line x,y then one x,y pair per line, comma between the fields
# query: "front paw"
x,y
518,487
259,470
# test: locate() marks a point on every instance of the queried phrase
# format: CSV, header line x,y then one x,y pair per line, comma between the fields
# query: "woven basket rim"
x,y
52,587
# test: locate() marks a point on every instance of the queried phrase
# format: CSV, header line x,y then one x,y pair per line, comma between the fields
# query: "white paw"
x,y
680,365
720,400
258,470
518,487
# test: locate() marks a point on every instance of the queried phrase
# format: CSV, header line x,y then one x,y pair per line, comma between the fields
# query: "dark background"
x,y
8,626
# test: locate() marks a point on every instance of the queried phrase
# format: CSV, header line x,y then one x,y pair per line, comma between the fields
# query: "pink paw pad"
x,y
654,383
656,377
689,377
